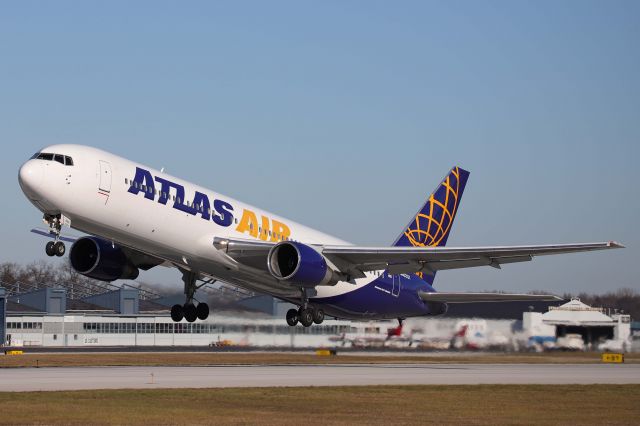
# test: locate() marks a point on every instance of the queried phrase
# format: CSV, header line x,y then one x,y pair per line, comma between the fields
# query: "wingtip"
x,y
615,244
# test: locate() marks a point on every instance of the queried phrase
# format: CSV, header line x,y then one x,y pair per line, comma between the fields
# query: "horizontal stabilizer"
x,y
485,297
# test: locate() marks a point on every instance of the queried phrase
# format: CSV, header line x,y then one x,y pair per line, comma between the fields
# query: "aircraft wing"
x,y
442,297
430,259
354,261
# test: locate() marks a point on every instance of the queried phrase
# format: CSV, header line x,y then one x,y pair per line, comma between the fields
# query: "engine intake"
x,y
300,264
99,259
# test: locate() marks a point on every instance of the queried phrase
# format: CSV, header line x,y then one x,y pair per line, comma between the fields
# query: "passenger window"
x,y
126,181
144,188
68,160
59,158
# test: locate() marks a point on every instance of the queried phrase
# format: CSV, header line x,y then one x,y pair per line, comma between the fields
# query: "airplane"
x,y
136,218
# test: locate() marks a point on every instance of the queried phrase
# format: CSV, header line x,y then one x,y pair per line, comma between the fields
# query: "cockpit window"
x,y
44,156
62,159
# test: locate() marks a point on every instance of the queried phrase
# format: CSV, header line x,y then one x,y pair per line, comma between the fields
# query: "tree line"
x,y
17,278
624,300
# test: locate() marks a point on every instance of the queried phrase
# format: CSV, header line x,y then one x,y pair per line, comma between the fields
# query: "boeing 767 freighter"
x,y
136,217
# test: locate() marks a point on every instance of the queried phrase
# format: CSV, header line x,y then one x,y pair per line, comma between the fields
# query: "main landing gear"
x,y
306,315
56,247
189,311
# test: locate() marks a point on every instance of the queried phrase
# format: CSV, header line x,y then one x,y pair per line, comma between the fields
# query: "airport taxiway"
x,y
217,376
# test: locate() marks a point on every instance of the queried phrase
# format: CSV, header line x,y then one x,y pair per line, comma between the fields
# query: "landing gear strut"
x,y
56,247
189,311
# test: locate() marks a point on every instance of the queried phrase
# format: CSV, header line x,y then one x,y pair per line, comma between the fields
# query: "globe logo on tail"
x,y
432,224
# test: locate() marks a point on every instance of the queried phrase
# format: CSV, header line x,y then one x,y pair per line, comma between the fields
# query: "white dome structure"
x,y
576,313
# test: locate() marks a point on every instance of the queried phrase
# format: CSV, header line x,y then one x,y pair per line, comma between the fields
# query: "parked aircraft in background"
x,y
137,218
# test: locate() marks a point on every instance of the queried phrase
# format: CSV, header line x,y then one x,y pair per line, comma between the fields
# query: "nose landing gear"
x,y
56,247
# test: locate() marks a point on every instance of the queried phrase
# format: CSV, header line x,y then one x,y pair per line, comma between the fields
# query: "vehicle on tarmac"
x,y
474,335
372,335
570,342
137,218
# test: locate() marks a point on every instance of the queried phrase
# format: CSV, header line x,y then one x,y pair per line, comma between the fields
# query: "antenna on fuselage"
x,y
162,170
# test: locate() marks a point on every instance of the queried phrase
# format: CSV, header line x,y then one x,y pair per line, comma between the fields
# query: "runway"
x,y
217,376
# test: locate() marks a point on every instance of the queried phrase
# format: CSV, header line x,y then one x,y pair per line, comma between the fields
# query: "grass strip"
x,y
479,404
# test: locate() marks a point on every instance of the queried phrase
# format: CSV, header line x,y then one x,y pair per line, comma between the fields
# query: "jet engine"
x,y
300,265
101,260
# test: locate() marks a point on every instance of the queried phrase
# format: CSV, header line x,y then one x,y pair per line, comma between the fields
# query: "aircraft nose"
x,y
31,177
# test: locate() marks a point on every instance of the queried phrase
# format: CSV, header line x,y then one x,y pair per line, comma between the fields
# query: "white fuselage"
x,y
95,195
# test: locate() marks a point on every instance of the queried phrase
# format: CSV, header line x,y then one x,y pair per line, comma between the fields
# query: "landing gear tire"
x,y
292,317
202,311
177,313
48,248
190,312
318,316
305,316
59,249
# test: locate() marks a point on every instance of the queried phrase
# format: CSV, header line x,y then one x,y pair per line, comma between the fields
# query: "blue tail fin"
x,y
430,227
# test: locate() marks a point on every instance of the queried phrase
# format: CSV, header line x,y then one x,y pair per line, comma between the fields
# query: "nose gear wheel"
x,y
56,247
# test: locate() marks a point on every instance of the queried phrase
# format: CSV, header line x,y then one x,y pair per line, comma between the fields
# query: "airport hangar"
x,y
60,316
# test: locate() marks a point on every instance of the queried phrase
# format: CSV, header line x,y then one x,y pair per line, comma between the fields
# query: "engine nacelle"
x,y
99,259
300,264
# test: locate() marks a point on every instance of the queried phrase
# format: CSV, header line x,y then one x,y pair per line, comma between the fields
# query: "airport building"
x,y
577,326
47,317
126,316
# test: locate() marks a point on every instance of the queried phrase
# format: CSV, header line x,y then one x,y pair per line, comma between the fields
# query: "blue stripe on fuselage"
x,y
376,300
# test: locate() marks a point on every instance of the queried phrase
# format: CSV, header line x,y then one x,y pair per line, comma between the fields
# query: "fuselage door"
x,y
397,284
105,177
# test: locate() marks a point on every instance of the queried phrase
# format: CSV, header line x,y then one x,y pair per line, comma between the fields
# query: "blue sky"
x,y
345,115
